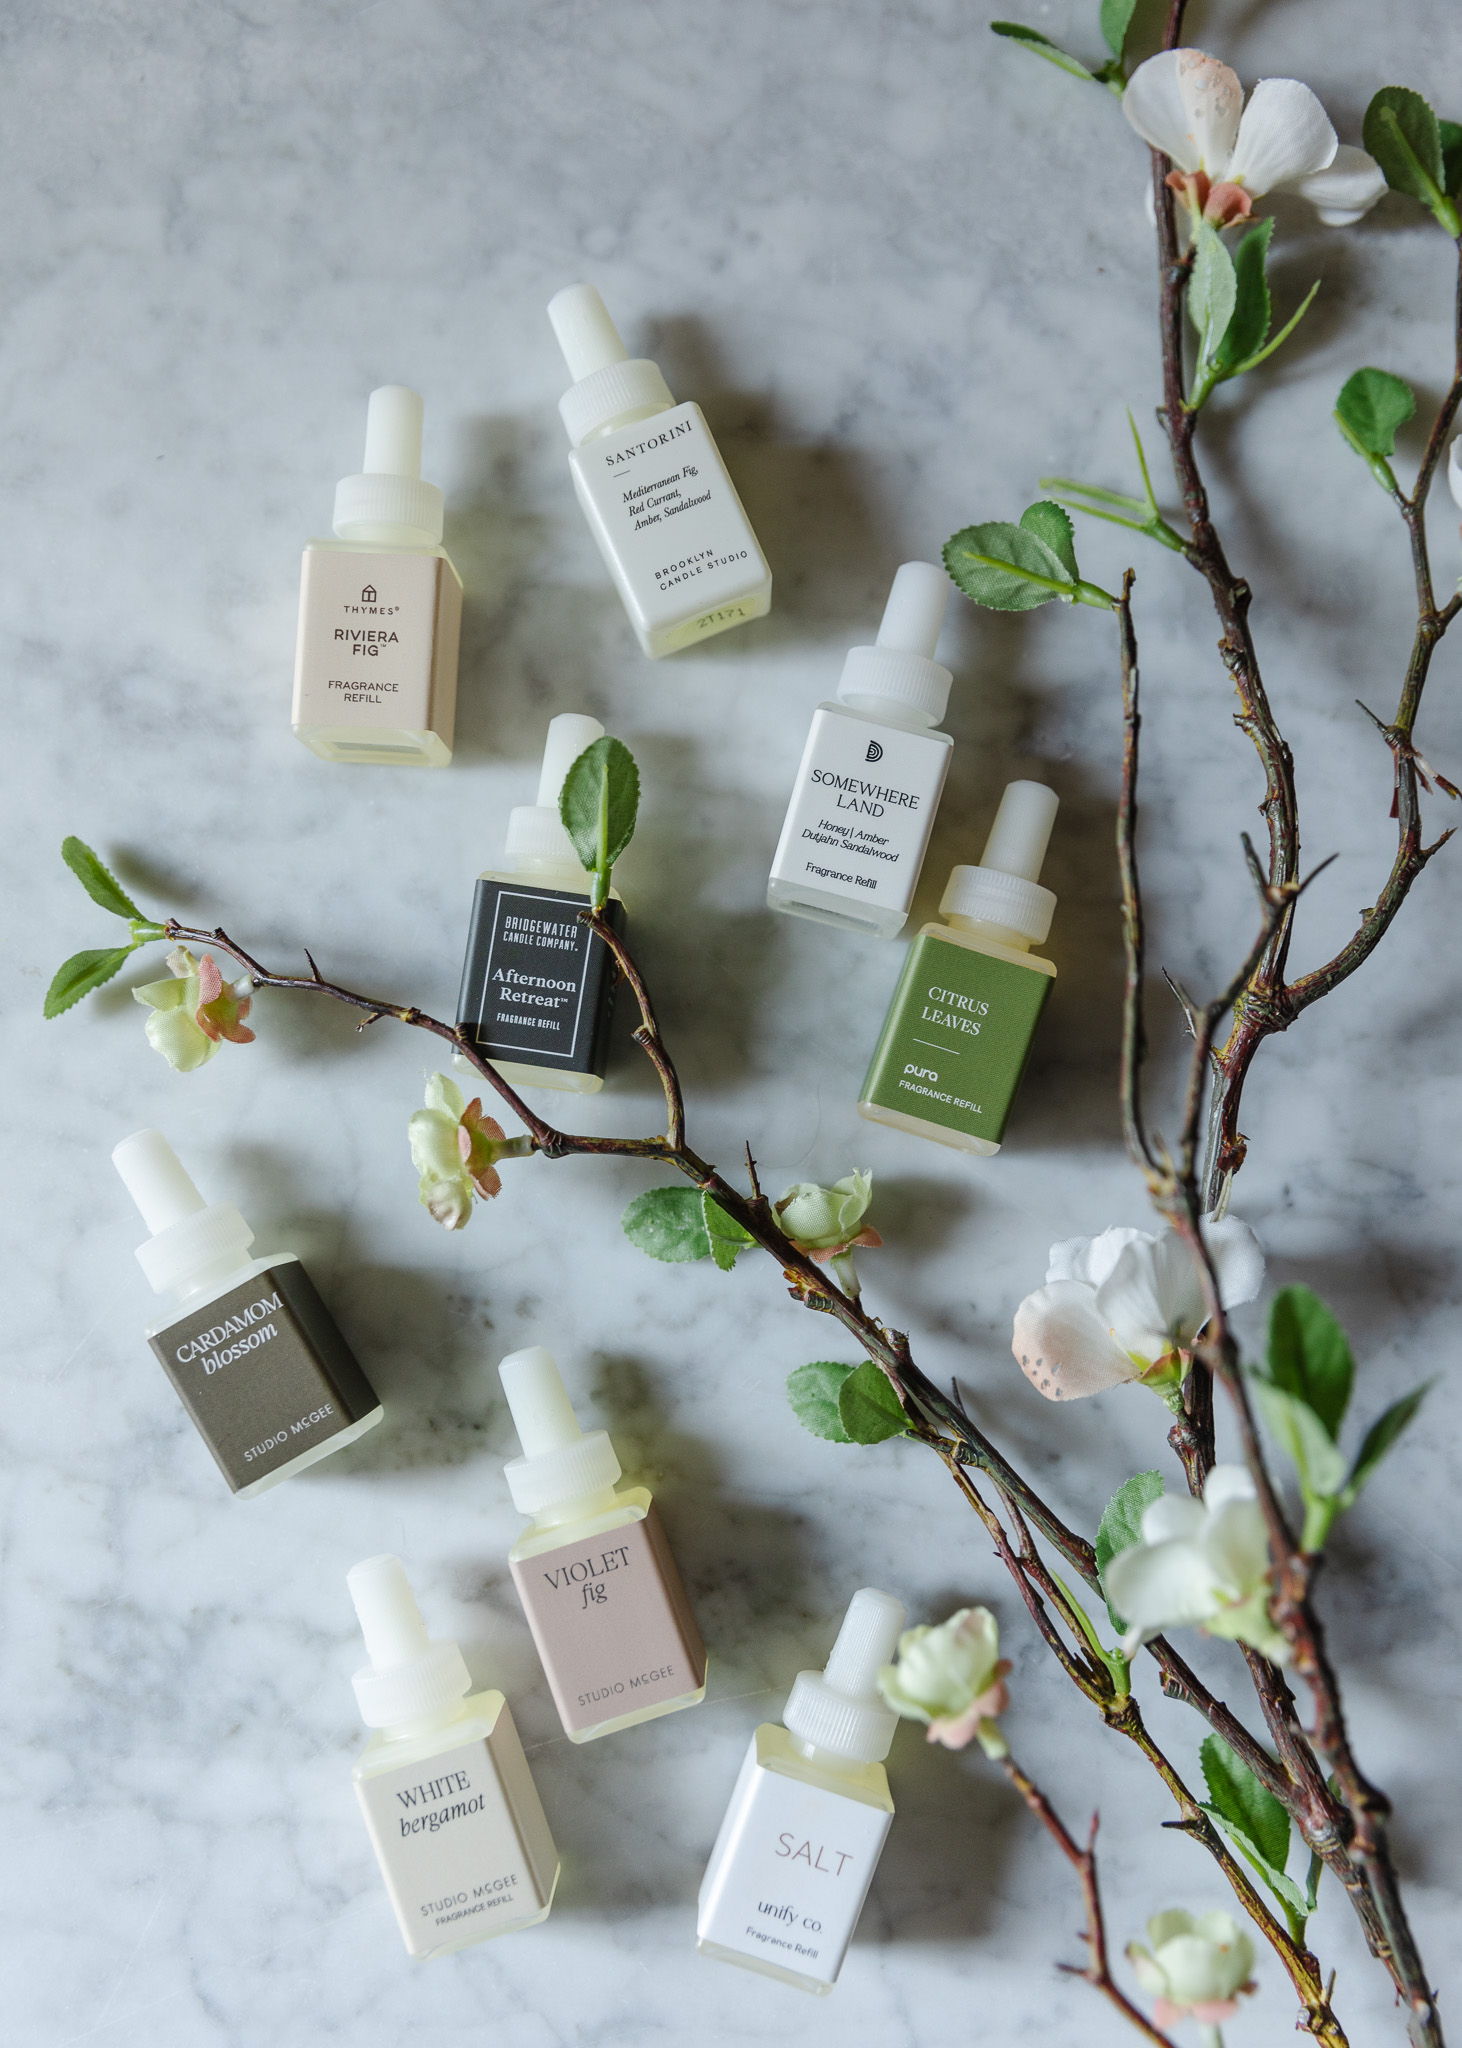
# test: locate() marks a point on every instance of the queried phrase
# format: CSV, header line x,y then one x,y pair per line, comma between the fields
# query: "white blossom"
x,y
1196,1966
953,1678
1201,1563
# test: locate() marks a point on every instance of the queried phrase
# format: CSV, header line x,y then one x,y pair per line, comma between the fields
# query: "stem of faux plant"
x,y
965,1446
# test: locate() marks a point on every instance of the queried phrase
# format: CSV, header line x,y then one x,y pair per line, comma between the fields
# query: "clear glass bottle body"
x,y
376,661
793,1861
858,824
928,1065
503,1876
588,1033
653,1633
670,526
210,1285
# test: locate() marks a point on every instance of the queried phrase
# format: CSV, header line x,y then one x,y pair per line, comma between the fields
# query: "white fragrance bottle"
x,y
872,773
599,1587
375,672
538,987
251,1349
809,1815
449,1803
658,498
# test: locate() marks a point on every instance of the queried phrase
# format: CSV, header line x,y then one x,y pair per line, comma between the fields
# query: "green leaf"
x,y
99,883
1298,1906
1245,1802
1121,1526
1404,136
1116,21
1299,1431
599,803
1450,133
1253,311
1379,1438
1050,524
724,1235
1006,568
1371,406
1042,46
1212,293
669,1224
82,973
1309,1355
813,1391
868,1407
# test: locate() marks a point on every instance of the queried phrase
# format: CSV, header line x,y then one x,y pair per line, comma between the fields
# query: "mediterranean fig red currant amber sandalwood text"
x,y
253,1352
600,1589
658,498
449,1803
960,1027
375,671
809,1816
872,773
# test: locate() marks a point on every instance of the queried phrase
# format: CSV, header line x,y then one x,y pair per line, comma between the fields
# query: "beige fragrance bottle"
x,y
658,498
252,1351
375,670
599,1587
809,1816
450,1806
959,1029
872,773
538,987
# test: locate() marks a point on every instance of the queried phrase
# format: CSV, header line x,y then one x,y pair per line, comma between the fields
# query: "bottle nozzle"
x,y
535,831
409,1676
156,1179
608,388
584,331
568,736
393,433
899,668
914,614
559,1463
840,1708
1022,830
386,1609
388,502
189,1236
1005,889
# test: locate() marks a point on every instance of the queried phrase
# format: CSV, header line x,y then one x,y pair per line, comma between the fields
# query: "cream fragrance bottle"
x,y
538,986
599,1587
253,1352
872,773
375,667
658,498
451,1809
809,1815
960,1027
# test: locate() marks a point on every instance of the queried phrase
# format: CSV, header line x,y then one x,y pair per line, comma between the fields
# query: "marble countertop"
x,y
905,270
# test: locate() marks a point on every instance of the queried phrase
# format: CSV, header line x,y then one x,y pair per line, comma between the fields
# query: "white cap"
x,y
188,1235
389,501
559,1463
840,1708
1004,889
408,1676
899,668
536,831
607,384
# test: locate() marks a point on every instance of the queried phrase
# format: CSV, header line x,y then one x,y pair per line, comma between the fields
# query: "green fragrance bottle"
x,y
958,1033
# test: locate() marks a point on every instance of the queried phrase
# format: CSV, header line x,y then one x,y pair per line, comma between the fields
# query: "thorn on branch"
x,y
314,970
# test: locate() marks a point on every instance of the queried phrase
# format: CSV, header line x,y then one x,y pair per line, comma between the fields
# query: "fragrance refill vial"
x,y
657,496
453,1815
538,986
872,772
613,1627
252,1350
809,1815
375,669
960,1026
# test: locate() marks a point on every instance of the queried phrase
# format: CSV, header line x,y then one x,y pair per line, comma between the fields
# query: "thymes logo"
x,y
875,751
368,595
589,1574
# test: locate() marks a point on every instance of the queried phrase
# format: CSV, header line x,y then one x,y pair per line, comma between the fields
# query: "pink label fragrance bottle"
x,y
599,1587
450,1806
809,1816
375,670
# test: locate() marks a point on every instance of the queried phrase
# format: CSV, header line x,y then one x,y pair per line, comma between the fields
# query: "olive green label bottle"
x,y
957,1038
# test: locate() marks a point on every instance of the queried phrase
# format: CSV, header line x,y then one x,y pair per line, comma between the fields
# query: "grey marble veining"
x,y
905,270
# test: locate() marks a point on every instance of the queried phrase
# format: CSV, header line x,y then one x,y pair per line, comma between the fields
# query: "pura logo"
x,y
368,595
875,751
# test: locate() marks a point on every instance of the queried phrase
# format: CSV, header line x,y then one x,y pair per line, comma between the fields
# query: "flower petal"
x,y
1238,1259
1285,134
1174,1518
1160,1586
1454,472
1151,1297
1186,104
434,1149
1065,1349
1163,1926
442,1093
1092,1258
176,1036
165,995
1227,1483
1345,190
1236,1544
